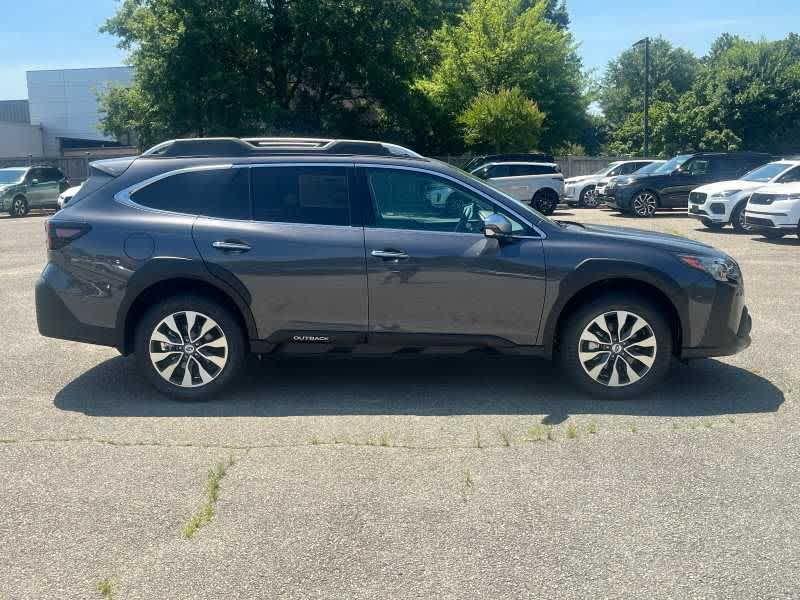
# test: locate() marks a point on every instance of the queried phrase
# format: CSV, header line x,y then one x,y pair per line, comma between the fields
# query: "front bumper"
x,y
619,198
764,221
731,344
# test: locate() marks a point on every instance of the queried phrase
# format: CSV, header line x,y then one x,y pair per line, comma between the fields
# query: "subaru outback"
x,y
199,252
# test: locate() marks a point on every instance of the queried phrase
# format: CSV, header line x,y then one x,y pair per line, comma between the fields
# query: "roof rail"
x,y
254,146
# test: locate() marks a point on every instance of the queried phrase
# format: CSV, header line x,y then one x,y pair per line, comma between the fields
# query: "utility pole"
x,y
646,43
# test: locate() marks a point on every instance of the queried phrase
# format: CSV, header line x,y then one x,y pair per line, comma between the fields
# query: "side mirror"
x,y
497,226
34,182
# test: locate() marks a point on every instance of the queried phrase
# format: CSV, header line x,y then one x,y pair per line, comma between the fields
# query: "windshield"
x,y
651,168
766,172
608,168
524,209
672,164
11,175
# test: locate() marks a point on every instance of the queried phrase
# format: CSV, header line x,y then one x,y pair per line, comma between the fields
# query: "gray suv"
x,y
202,251
24,188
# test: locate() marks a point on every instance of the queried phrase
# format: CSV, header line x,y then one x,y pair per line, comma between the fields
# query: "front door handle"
x,y
389,254
231,246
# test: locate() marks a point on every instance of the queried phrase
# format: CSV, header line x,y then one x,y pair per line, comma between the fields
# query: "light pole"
x,y
646,43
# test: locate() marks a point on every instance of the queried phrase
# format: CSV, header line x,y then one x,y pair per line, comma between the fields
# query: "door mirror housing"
x,y
497,226
34,182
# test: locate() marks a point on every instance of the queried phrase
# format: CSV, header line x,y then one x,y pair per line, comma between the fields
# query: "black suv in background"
x,y
669,185
202,251
479,161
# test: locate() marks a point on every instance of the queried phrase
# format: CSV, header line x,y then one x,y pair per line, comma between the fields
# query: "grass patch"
x,y
537,433
505,437
478,442
633,428
315,441
205,514
551,434
572,431
105,588
467,485
592,428
386,441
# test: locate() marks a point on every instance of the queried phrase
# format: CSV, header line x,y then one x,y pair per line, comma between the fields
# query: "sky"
x,y
57,34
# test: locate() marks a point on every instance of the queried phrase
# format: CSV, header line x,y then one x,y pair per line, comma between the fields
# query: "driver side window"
x,y
422,202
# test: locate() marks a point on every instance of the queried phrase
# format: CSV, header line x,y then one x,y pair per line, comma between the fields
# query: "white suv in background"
x,y
774,210
718,204
536,183
580,191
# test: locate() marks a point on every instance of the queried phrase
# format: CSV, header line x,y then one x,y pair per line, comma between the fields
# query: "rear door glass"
x,y
219,193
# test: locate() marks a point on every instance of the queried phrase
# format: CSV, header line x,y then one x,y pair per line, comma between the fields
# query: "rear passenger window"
x,y
312,195
790,176
521,170
219,193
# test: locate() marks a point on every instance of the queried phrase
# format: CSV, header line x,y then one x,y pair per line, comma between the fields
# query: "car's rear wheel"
x,y
189,347
644,204
738,218
19,207
588,197
545,201
616,347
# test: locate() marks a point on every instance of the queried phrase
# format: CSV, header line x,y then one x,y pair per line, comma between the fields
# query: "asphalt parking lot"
x,y
402,478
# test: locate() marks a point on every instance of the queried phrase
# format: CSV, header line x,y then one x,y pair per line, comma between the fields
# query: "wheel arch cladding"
x,y
584,286
167,280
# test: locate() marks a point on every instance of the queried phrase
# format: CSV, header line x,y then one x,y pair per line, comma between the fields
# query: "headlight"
x,y
725,193
721,269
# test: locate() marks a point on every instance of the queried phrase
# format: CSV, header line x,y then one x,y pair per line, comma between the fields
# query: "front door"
x,y
433,274
698,171
298,257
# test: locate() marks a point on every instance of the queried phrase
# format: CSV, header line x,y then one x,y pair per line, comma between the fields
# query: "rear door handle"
x,y
231,246
389,254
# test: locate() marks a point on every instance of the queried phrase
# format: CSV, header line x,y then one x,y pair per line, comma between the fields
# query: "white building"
x,y
64,112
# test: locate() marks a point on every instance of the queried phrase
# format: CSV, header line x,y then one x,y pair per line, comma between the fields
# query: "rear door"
x,y
698,171
298,253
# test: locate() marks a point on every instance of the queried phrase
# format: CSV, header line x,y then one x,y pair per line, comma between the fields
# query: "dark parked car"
x,y
669,185
199,252
24,188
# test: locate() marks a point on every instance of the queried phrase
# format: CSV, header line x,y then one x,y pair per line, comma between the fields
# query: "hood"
x,y
580,178
652,239
734,184
4,187
792,189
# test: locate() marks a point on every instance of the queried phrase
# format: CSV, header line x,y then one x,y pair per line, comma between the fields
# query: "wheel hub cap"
x,y
617,348
188,349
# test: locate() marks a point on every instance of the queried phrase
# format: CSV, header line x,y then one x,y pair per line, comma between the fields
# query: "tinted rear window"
x,y
520,170
223,193
312,195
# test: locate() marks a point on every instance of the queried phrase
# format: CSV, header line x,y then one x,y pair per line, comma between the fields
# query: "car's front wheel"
x,y
644,204
545,201
19,207
190,347
588,197
616,347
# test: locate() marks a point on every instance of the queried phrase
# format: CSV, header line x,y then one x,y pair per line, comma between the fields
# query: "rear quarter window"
x,y
219,193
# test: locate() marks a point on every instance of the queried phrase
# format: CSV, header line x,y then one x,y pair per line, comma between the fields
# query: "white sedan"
x,y
67,195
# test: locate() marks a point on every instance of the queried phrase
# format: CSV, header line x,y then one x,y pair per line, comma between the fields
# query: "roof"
x,y
260,146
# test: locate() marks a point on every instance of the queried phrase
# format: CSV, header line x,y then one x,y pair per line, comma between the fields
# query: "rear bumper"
x,y
55,320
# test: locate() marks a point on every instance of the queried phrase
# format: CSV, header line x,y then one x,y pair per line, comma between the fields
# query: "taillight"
x,y
59,234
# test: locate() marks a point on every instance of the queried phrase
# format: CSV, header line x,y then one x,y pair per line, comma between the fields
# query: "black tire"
x,y
232,334
569,343
737,218
709,224
545,201
587,198
19,207
644,204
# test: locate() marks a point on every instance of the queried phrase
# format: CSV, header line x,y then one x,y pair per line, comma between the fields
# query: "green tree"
x,y
506,121
233,67
672,73
506,44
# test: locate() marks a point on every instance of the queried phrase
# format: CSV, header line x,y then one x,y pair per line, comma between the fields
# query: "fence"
x,y
76,168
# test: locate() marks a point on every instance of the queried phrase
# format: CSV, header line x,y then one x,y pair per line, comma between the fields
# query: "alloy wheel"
x,y
18,208
590,198
645,204
188,349
617,348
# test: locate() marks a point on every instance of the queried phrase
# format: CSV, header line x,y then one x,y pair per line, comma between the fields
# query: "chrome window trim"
x,y
542,235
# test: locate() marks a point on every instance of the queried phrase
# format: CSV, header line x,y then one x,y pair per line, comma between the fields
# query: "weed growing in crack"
x,y
205,514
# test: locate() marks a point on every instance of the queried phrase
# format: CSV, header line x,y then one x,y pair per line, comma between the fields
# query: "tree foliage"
x,y
506,44
744,95
233,67
506,121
